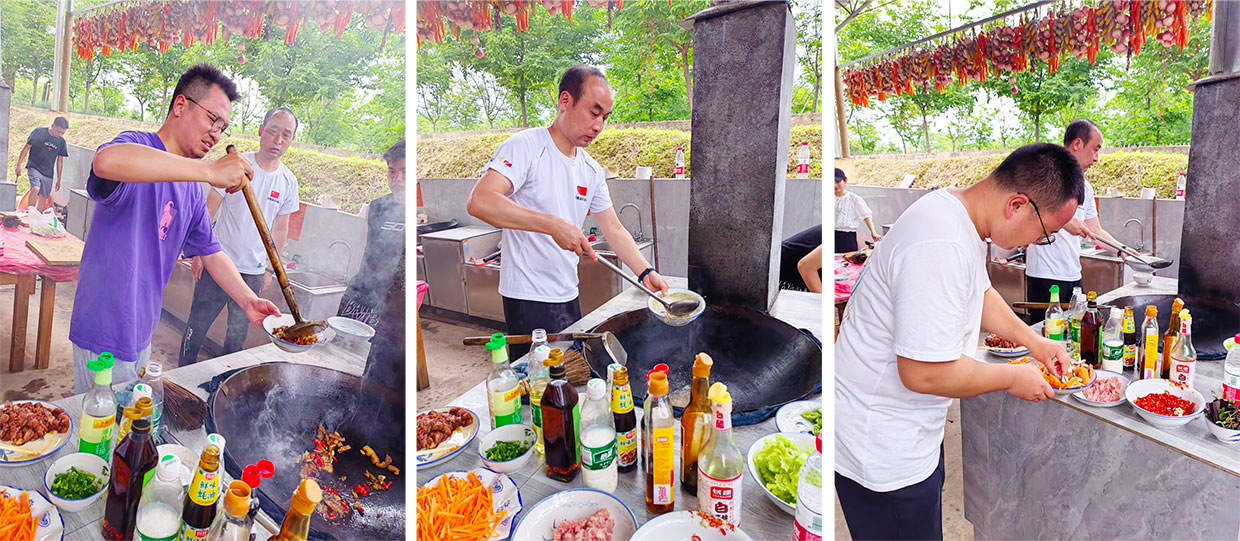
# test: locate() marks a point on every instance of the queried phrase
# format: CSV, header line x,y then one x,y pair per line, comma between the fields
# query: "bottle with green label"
x,y
540,376
598,439
98,425
503,386
1054,317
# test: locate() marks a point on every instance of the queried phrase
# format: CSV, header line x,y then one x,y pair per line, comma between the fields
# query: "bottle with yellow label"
x,y
200,509
658,447
503,386
626,420
98,424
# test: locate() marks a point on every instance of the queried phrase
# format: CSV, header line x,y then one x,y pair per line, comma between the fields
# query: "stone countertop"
x,y
760,518
1193,439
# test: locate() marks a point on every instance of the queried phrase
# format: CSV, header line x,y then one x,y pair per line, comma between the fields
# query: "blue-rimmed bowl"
x,y
40,449
86,462
48,524
1145,387
505,496
271,323
521,433
574,504
1225,435
449,448
1099,375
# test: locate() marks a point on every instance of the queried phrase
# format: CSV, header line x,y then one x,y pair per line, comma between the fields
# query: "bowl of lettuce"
x,y
775,461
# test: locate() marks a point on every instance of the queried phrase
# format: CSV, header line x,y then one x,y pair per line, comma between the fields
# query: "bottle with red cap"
x,y
680,162
803,161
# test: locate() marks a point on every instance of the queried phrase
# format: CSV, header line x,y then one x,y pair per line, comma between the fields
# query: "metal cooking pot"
x,y
272,411
765,362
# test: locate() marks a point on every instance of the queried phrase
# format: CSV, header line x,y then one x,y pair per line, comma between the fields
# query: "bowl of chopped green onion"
x,y
507,448
75,482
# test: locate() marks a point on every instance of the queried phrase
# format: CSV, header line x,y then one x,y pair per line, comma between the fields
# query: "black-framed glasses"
x,y
1046,239
217,122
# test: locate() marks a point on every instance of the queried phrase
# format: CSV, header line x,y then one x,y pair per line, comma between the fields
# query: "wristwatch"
x,y
642,277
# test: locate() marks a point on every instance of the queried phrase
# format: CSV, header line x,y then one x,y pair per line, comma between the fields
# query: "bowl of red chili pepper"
x,y
1164,403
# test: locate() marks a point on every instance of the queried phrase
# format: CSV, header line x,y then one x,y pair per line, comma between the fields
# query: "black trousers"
x,y
209,300
524,316
912,512
845,241
1039,290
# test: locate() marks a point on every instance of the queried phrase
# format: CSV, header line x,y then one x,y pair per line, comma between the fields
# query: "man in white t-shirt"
x,y
276,189
911,327
1059,263
538,187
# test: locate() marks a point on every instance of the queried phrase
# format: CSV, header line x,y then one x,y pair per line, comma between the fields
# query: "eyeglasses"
x,y
1046,239
217,122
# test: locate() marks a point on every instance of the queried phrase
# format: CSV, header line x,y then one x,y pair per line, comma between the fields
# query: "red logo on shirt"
x,y
275,194
581,190
506,162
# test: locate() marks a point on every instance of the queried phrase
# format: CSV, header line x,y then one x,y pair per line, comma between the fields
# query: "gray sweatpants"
x,y
123,371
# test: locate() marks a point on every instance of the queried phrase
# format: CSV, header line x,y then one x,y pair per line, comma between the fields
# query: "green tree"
x,y
809,48
28,32
651,64
1041,94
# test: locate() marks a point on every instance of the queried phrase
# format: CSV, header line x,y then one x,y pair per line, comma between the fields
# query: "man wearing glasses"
x,y
275,187
149,209
1058,262
910,330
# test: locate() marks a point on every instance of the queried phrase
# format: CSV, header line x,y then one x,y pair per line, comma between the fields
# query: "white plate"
x,y
457,442
34,451
1007,353
806,441
540,521
788,418
686,525
504,496
1069,390
1102,374
48,525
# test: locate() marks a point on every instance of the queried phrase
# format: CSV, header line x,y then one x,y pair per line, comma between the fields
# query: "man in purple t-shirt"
x,y
150,208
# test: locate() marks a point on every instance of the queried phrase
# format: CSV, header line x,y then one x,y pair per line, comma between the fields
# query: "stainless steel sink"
x,y
605,246
312,280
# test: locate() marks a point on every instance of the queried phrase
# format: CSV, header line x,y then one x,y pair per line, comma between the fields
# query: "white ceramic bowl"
x,y
350,332
273,322
688,525
86,462
1225,435
798,438
660,311
1144,387
1143,278
540,521
521,433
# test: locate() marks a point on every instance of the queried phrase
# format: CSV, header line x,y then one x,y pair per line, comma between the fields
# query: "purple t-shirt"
x,y
136,235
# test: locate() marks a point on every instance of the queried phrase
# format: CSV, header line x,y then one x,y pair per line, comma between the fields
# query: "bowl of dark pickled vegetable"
x,y
75,482
507,448
1223,418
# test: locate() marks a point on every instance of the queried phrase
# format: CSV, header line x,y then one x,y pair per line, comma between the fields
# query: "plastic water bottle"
x,y
808,526
1231,372
154,377
680,162
1180,185
803,161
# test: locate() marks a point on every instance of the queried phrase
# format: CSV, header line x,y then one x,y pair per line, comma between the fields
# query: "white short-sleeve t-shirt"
x,y
919,296
850,211
1061,260
534,267
234,225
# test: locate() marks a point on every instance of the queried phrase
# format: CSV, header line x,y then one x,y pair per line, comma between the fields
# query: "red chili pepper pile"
x,y
1165,403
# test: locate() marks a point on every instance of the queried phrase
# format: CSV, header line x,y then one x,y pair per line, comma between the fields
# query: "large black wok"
x,y
272,411
765,362
1214,320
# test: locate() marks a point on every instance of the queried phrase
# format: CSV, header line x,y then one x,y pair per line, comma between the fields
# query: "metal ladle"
x,y
300,328
1161,264
679,308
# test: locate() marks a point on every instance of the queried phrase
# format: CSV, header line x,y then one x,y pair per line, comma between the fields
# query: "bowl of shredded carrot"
x,y
477,504
28,516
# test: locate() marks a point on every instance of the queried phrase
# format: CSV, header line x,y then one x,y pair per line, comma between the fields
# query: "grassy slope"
x,y
1128,171
620,150
351,181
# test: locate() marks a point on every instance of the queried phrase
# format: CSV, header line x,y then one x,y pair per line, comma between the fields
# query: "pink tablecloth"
x,y
845,278
18,259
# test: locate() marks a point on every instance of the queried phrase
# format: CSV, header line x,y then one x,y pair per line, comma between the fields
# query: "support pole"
x,y
839,113
63,56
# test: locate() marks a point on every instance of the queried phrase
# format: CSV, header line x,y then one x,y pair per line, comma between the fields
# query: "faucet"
x,y
345,275
641,233
1141,242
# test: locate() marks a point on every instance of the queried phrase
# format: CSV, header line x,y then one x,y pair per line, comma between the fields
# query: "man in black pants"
x,y
538,187
800,261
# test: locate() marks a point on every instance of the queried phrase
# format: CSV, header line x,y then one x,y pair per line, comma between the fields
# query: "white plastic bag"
x,y
45,224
